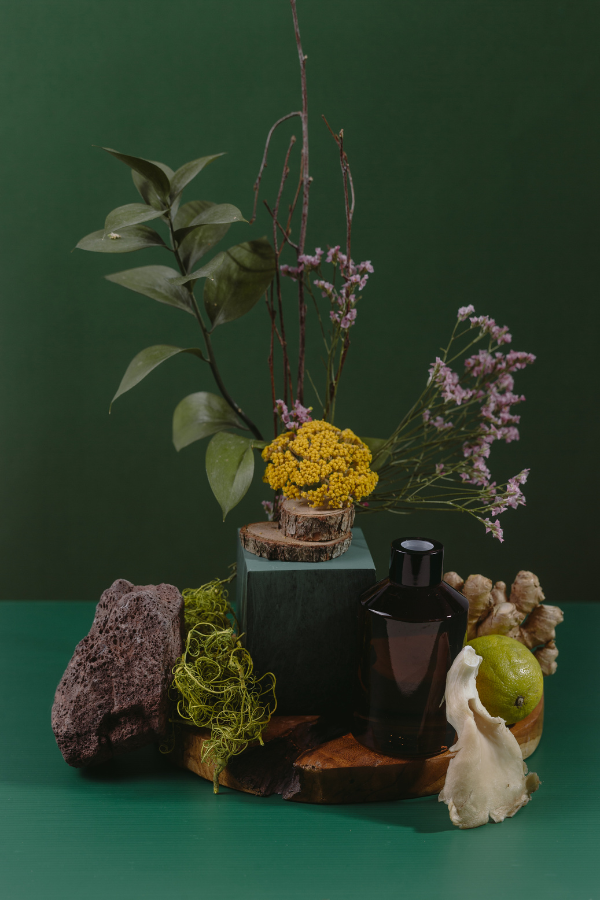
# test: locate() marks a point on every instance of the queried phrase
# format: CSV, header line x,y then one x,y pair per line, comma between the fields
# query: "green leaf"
x,y
242,279
223,214
147,192
152,172
230,467
130,214
207,271
375,445
195,244
157,282
188,171
199,415
135,237
142,364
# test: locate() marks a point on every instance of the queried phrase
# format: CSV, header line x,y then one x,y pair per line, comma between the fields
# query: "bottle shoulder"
x,y
410,604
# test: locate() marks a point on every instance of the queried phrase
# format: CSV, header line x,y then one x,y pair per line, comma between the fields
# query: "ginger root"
x,y
487,778
501,620
477,589
498,593
526,592
454,580
540,626
546,656
522,616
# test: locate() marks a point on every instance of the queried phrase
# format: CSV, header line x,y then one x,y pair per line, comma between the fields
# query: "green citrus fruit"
x,y
510,683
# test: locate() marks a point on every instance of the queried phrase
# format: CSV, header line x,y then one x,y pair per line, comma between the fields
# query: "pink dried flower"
x,y
292,419
488,326
518,360
311,262
495,528
267,505
291,272
348,319
481,363
440,424
448,380
501,335
465,311
326,287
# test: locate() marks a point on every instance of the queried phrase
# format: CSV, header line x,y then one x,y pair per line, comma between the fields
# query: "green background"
x,y
472,131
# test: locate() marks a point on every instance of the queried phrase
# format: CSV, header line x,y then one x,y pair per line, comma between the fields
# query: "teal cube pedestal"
x,y
299,621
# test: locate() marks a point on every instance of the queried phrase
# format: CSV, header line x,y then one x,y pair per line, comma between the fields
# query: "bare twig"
x,y
292,206
288,240
271,311
287,375
304,218
263,164
349,198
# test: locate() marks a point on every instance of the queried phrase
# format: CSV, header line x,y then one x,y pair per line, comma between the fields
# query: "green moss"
x,y
214,685
209,604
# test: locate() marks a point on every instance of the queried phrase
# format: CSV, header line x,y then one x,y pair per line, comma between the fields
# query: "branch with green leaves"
x,y
234,281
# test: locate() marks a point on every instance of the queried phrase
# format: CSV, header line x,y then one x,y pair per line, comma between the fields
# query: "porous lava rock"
x,y
113,697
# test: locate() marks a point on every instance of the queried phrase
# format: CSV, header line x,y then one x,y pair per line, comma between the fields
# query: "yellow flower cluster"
x,y
320,463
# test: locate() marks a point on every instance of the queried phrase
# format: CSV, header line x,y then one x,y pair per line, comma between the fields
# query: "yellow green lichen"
x,y
214,685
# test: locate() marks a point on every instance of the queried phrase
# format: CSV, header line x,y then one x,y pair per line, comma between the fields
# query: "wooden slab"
x,y
310,759
302,522
267,540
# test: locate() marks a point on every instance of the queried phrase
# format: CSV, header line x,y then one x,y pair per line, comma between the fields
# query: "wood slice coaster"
x,y
313,760
302,522
267,540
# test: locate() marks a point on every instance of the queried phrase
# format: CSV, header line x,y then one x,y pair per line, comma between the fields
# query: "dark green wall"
x,y
472,129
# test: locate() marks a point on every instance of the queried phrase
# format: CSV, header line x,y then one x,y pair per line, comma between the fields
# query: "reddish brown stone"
x,y
113,695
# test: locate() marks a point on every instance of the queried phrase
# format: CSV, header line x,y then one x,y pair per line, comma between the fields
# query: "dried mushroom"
x,y
487,778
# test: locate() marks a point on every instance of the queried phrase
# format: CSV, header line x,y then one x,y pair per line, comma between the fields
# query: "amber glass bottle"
x,y
412,626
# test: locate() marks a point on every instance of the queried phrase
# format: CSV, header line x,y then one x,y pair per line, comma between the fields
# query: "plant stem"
x,y
271,311
287,375
304,219
263,164
209,348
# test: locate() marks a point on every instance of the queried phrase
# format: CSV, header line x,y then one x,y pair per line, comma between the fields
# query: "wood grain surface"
x,y
310,759
302,522
267,540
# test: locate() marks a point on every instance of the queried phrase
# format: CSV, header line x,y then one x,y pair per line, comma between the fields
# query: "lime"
x,y
510,683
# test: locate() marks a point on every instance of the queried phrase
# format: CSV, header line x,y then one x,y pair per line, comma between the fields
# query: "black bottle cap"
x,y
416,562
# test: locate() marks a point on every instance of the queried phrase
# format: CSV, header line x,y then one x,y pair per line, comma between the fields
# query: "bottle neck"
x,y
416,562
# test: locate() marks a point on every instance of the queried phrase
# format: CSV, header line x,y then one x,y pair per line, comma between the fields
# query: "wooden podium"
x,y
312,760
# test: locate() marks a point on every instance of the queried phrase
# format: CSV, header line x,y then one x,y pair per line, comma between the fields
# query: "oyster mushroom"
x,y
487,778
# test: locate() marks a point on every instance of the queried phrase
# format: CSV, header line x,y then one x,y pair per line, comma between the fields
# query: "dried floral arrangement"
x,y
436,458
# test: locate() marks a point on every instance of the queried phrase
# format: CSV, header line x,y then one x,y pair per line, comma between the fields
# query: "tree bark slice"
x,y
312,759
302,522
267,540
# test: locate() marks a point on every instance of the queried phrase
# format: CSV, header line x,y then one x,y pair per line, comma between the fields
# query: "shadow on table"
x,y
140,765
425,815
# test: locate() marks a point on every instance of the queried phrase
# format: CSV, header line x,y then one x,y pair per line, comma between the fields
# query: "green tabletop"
x,y
139,828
